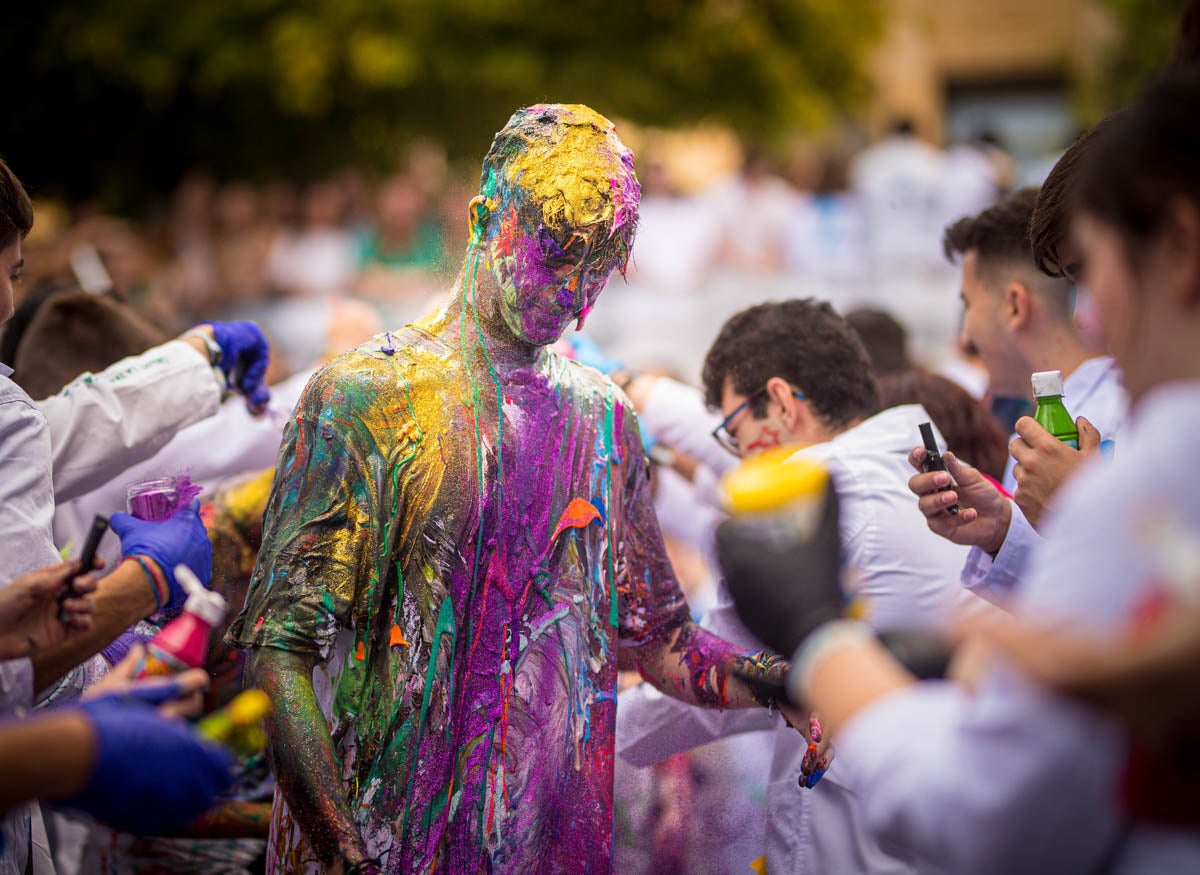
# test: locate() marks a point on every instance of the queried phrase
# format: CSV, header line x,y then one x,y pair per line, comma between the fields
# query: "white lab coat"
x,y
226,444
1093,390
65,445
907,576
898,182
61,447
1014,779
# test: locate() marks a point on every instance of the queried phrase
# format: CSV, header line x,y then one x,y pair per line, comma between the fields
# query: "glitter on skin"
x,y
459,487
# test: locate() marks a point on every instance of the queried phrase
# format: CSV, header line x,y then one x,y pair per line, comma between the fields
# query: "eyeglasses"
x,y
722,435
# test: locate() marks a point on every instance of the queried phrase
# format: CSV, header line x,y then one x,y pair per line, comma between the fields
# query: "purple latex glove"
x,y
152,774
121,645
244,358
179,539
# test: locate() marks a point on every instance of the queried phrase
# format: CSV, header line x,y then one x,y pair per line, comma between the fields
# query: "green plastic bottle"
x,y
1051,414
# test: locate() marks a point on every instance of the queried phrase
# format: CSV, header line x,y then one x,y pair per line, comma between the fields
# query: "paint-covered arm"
x,y
655,628
320,540
302,755
695,666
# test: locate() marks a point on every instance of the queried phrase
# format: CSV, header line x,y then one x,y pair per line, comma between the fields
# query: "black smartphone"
x,y
88,558
933,459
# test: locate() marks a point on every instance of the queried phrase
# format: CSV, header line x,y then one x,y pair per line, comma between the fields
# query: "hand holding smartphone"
x,y
88,558
933,458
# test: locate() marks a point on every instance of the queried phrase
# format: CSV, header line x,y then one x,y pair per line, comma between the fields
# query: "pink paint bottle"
x,y
183,643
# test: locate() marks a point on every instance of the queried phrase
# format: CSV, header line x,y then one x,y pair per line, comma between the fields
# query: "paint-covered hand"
x,y
783,591
245,355
151,774
820,751
177,695
180,539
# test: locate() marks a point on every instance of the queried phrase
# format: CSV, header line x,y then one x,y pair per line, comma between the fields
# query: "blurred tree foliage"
x,y
122,95
1145,35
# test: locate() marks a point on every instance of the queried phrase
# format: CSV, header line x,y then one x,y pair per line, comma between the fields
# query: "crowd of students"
x,y
1064,579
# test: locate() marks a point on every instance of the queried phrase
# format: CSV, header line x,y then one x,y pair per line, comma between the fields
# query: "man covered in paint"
x,y
459,541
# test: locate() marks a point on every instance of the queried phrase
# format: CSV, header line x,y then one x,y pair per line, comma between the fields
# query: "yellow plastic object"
x,y
759,866
239,720
772,480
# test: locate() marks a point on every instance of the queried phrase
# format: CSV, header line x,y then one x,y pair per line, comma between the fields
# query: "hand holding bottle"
x,y
179,540
1045,461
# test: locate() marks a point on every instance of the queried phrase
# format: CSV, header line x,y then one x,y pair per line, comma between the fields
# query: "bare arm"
x,y
121,599
298,734
45,757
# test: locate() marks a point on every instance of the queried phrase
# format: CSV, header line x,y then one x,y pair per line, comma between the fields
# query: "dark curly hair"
x,y
802,341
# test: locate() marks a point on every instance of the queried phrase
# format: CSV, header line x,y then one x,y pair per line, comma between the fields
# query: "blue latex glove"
x,y
181,539
244,359
152,774
588,352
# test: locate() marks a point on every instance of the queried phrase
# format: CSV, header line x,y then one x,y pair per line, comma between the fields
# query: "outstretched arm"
x,y
695,666
298,734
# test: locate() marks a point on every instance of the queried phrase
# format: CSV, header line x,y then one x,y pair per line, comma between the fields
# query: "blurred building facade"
x,y
1017,68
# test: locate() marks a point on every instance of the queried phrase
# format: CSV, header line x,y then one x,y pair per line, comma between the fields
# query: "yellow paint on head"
x,y
576,169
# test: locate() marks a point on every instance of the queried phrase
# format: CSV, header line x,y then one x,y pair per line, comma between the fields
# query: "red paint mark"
x,y
360,652
396,638
767,440
259,624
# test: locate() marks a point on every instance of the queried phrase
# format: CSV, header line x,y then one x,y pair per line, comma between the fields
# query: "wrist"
x,y
202,340
992,547
823,641
160,587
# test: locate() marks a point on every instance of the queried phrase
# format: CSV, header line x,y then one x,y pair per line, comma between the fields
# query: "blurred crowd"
x,y
372,251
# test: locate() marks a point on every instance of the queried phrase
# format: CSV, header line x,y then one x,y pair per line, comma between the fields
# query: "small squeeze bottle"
x,y
183,643
1051,414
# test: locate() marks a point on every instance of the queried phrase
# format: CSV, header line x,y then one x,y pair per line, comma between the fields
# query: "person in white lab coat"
x,y
1020,321
77,439
786,373
1015,778
898,183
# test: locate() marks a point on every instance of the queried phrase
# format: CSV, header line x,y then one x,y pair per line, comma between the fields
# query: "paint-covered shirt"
x,y
463,557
